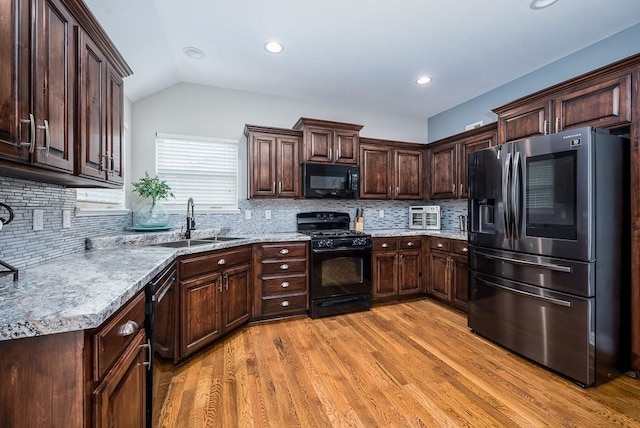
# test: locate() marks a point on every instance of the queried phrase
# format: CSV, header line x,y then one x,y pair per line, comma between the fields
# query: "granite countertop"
x,y
81,290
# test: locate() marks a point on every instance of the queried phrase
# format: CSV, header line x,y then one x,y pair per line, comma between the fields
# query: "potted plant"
x,y
151,214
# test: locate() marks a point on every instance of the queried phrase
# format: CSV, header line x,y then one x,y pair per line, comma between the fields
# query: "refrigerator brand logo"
x,y
571,136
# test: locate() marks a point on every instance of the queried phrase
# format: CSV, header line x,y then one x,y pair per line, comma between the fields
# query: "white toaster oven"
x,y
424,217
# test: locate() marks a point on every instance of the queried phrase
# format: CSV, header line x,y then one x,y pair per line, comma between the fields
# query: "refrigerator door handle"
x,y
515,195
506,173
549,266
524,293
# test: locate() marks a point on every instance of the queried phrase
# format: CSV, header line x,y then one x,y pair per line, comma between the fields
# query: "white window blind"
x,y
205,169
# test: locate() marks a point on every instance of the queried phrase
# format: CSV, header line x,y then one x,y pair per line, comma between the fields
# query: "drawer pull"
x,y
284,251
222,261
129,328
284,304
465,250
385,245
410,244
147,346
439,245
285,284
284,266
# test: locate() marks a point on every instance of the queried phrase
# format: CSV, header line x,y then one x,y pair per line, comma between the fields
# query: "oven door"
x,y
340,272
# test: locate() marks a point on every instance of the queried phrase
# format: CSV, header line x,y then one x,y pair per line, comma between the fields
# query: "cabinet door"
x,y
54,82
318,144
94,161
236,297
263,165
527,121
410,273
375,170
120,399
443,172
408,174
115,126
200,318
14,93
385,274
346,147
440,283
605,103
288,167
460,283
478,143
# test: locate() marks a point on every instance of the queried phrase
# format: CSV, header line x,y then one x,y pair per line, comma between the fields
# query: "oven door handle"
x,y
337,250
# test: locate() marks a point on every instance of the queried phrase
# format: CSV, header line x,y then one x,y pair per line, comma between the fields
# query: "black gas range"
x,y
340,261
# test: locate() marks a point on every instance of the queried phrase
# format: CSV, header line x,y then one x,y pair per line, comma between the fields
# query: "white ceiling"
x,y
360,53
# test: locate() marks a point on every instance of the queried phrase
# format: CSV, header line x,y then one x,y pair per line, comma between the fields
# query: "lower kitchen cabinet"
x,y
449,271
215,296
280,279
397,267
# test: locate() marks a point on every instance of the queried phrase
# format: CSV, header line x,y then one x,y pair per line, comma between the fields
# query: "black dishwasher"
x,y
160,322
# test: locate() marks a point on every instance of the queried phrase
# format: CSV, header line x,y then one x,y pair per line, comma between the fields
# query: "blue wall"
x,y
611,49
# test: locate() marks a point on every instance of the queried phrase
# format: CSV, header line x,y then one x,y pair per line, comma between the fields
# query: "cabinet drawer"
x,y
440,244
460,247
275,286
196,265
281,250
283,267
115,335
284,305
384,244
411,242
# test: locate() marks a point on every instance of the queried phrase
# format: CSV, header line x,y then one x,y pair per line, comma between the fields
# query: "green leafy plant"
x,y
154,188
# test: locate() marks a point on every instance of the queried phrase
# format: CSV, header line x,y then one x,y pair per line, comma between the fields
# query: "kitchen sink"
x,y
183,243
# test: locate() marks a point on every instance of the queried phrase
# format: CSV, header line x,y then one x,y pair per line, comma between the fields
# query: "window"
x,y
205,169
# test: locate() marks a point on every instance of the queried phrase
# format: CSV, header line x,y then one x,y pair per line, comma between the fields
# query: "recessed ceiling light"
x,y
423,80
541,4
273,47
193,53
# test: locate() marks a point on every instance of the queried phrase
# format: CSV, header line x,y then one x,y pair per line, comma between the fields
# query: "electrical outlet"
x,y
247,214
381,213
267,214
66,219
38,219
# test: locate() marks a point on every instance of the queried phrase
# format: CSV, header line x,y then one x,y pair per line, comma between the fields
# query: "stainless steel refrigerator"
x,y
549,252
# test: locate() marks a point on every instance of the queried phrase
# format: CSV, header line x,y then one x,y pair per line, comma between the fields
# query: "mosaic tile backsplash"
x,y
21,246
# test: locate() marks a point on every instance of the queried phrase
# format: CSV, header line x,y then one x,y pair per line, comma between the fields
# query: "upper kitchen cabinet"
x,y
274,163
447,161
46,87
391,170
329,142
601,98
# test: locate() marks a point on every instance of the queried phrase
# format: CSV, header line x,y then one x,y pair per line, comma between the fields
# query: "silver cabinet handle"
x,y
285,284
461,188
284,251
465,250
226,282
220,284
284,266
32,133
330,153
273,187
558,124
439,245
410,244
284,304
47,138
397,190
129,328
280,187
389,191
454,189
222,261
149,355
385,245
105,156
545,127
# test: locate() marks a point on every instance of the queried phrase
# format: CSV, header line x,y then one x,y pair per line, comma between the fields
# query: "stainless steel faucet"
x,y
191,219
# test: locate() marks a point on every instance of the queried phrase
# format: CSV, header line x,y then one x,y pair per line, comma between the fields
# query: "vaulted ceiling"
x,y
361,53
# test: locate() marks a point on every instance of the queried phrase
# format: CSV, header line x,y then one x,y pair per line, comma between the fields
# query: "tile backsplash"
x,y
21,246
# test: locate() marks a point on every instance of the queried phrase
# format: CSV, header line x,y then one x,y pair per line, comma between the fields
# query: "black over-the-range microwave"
x,y
330,181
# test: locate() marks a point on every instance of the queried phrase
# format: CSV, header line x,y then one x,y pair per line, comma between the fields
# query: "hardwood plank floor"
x,y
412,364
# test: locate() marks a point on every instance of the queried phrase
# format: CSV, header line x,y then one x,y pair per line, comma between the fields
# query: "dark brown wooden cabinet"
x,y
274,166
61,89
280,279
391,170
215,296
448,170
448,271
397,267
329,142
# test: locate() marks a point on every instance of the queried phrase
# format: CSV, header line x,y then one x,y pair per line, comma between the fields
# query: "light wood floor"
x,y
412,364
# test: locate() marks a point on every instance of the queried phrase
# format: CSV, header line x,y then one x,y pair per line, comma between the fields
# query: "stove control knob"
x,y
359,241
325,243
